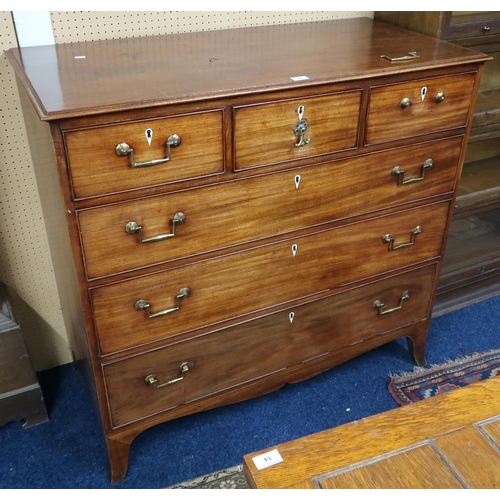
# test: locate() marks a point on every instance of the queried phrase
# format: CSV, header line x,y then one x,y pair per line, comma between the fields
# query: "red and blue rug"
x,y
424,383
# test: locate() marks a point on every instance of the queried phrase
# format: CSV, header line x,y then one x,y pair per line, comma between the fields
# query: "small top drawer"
x,y
272,132
114,158
477,24
418,107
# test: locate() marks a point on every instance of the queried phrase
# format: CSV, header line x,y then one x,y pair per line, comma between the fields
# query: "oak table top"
x,y
447,441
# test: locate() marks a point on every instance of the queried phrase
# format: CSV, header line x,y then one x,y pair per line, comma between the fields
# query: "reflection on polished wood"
x,y
137,72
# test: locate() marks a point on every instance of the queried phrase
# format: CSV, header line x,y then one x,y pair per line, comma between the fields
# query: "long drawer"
x,y
418,107
270,133
164,150
226,358
210,291
251,209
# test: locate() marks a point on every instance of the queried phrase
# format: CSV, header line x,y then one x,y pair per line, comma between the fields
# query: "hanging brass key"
x,y
301,127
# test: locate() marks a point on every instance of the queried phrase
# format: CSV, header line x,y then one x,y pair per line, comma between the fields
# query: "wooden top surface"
x,y
451,421
78,79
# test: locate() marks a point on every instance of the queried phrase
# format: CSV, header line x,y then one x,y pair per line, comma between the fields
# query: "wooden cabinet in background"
x,y
249,207
471,267
21,397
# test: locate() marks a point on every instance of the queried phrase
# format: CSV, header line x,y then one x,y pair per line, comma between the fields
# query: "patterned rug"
x,y
423,383
226,479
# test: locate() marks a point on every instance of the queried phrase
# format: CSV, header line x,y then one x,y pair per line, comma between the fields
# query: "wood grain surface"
x,y
96,169
448,434
263,346
240,283
388,121
260,207
332,122
130,73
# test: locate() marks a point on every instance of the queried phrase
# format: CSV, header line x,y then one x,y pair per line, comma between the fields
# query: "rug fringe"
x,y
419,370
230,478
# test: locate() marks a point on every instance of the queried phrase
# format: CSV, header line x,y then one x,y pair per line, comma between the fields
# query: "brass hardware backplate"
x,y
132,227
143,305
153,379
398,172
380,305
123,149
388,239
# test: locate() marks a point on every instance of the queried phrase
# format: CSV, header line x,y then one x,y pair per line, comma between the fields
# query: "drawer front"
x,y
97,169
244,282
225,215
484,29
390,117
264,134
236,355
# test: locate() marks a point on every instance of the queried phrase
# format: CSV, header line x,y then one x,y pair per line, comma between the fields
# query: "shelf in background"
x,y
479,186
472,241
471,258
487,111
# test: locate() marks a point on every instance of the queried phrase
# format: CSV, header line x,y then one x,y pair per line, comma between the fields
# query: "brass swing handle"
x,y
153,379
123,149
142,305
380,306
400,173
408,57
390,240
133,227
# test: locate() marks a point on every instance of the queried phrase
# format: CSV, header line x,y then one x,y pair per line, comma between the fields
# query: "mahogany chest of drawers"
x,y
249,207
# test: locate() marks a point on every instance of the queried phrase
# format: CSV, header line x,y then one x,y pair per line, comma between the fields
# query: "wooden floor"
x,y
447,441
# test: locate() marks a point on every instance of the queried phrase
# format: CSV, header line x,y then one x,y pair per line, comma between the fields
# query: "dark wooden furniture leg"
x,y
118,452
416,345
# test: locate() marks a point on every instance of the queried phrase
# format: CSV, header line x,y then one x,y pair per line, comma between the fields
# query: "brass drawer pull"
x,y
400,173
379,305
408,57
123,149
390,240
439,97
142,305
405,103
133,227
153,379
